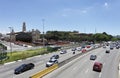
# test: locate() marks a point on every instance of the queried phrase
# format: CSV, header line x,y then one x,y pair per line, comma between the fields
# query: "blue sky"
x,y
63,15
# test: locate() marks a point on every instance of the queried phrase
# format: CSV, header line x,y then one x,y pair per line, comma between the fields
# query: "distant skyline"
x,y
85,16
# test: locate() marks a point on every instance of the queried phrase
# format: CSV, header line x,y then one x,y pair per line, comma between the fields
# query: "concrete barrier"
x,y
45,71
74,57
52,68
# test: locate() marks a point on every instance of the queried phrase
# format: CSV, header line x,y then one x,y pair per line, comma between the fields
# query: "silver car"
x,y
51,62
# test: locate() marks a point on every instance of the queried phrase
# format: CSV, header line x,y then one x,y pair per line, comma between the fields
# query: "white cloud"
x,y
84,11
69,11
106,5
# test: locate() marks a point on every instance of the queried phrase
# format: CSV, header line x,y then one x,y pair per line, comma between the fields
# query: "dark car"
x,y
97,66
23,68
55,57
93,57
107,51
111,47
117,47
51,62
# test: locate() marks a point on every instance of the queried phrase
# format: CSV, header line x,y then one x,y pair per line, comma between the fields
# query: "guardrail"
x,y
45,71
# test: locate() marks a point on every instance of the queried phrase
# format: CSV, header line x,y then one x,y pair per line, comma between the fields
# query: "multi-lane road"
x,y
82,66
7,70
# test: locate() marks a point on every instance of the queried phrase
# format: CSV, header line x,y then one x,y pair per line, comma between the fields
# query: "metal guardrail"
x,y
45,71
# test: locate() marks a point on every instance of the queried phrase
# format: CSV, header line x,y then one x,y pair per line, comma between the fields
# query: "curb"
x,y
9,63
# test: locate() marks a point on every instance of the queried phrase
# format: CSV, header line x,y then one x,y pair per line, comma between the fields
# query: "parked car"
x,y
97,66
23,68
93,57
63,51
55,56
51,62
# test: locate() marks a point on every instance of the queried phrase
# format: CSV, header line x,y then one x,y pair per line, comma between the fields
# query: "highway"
x,y
7,71
82,66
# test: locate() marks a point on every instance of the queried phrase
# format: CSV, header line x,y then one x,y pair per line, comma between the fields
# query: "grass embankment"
x,y
18,55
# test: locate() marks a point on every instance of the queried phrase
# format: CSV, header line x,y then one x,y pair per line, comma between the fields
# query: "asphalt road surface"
x,y
82,66
7,71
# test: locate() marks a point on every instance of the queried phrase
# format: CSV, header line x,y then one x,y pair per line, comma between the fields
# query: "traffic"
x,y
30,66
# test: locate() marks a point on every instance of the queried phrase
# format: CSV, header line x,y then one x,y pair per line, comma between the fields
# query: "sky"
x,y
85,16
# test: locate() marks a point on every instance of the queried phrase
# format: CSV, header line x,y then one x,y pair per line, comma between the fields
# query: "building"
x,y
25,36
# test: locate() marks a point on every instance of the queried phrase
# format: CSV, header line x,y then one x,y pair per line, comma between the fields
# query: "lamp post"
x,y
43,33
10,40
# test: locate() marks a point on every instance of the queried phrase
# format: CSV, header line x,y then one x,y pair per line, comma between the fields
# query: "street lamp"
x,y
10,39
43,33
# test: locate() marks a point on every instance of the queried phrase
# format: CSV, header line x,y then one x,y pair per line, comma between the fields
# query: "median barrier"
x,y
52,68
74,57
45,71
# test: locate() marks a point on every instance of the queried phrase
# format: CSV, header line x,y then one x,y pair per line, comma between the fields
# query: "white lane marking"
x,y
100,75
87,71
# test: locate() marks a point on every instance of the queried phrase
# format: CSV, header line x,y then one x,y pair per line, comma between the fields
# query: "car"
x,y
117,47
107,51
74,49
97,66
84,50
83,46
55,56
111,47
93,57
104,46
79,49
23,68
63,51
88,46
51,62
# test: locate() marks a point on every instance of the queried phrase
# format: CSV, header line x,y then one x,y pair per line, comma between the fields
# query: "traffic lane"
x,y
87,72
39,67
39,61
78,68
42,66
111,62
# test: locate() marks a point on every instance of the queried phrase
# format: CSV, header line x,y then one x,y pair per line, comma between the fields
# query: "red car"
x,y
83,50
88,46
97,66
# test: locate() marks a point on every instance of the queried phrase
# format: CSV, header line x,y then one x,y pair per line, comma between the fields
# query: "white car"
x,y
51,62
63,52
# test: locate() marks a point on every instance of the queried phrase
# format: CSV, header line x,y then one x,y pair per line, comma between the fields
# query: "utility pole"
x,y
43,33
10,40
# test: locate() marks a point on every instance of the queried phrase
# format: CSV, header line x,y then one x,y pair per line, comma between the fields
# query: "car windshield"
x,y
51,60
21,67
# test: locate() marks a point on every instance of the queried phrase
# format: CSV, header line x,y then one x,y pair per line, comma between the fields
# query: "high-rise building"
x,y
24,27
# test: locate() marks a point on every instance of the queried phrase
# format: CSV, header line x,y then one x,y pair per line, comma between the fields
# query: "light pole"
x,y
43,32
10,40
